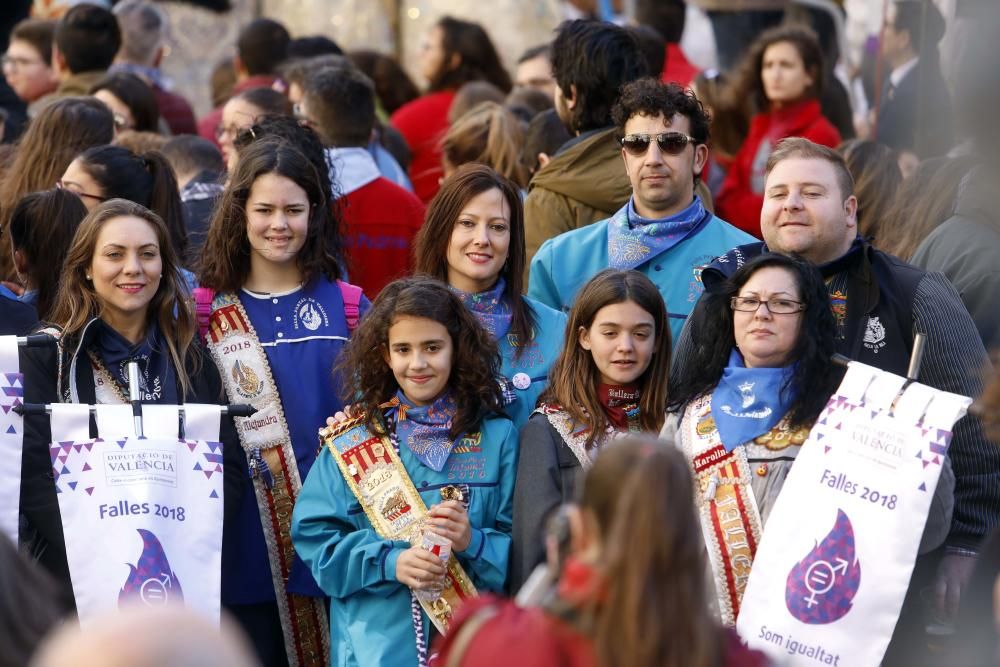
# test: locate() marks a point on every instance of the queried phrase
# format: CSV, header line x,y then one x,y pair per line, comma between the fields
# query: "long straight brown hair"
x,y
77,302
640,493
430,248
574,377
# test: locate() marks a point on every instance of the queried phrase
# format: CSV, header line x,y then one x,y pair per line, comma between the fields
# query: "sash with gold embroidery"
x,y
246,373
382,486
575,434
730,521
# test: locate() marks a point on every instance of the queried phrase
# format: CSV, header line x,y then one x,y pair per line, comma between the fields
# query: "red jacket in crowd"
x,y
381,219
742,195
677,68
423,123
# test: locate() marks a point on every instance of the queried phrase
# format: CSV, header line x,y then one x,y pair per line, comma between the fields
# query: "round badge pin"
x,y
521,381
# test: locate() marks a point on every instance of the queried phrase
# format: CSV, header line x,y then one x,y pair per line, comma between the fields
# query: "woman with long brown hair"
x,y
782,77
60,132
630,591
473,240
611,378
279,318
454,52
121,298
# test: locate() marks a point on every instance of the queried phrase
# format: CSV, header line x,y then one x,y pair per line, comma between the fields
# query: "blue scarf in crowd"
x,y
749,402
425,428
490,308
157,381
633,240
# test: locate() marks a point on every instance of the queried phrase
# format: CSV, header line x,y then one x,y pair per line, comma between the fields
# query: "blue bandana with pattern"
x,y
490,308
749,402
634,240
425,428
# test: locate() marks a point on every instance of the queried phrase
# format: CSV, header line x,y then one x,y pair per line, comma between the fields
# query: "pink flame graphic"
x,y
151,578
821,587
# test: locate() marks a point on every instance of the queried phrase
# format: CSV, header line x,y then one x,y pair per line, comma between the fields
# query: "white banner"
x,y
11,436
142,517
835,560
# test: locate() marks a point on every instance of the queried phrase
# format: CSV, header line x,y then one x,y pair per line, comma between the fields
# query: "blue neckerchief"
x,y
157,382
490,308
29,296
633,240
424,429
748,402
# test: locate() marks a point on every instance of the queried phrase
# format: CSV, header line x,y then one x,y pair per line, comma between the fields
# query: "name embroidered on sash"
x,y
246,374
727,509
382,486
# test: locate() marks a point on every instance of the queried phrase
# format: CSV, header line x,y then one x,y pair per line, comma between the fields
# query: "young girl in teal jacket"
x,y
427,434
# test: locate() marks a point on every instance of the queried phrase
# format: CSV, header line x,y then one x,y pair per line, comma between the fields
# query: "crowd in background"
x,y
606,195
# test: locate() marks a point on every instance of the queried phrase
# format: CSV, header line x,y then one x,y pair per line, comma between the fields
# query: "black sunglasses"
x,y
671,143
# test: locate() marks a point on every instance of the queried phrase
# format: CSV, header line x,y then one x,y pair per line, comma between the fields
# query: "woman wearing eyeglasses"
x,y
113,172
782,77
746,397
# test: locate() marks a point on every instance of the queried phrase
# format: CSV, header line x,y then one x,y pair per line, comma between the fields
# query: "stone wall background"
x,y
200,38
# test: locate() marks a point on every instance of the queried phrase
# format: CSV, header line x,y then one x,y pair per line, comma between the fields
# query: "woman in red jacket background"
x,y
782,77
454,53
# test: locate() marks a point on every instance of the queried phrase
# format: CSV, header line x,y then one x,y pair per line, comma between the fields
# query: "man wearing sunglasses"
x,y
664,229
879,302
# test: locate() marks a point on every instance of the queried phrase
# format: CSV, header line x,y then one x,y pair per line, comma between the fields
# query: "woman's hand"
x,y
419,569
449,519
342,416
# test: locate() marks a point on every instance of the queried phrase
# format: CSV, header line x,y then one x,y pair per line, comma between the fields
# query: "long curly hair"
x,y
815,377
574,377
475,362
430,248
77,302
225,260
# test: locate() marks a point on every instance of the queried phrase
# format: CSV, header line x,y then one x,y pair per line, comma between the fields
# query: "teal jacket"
x,y
534,362
370,621
565,263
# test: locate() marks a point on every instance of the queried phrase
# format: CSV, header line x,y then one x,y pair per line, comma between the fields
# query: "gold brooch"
x,y
452,492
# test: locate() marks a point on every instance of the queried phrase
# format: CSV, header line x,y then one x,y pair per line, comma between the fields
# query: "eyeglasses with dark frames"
x,y
75,189
775,305
670,143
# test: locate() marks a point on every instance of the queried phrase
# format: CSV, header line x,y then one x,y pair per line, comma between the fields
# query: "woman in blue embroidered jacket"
x,y
421,370
610,378
473,239
271,257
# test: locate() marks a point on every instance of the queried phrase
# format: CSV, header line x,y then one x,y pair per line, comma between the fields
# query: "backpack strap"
x,y
352,303
203,297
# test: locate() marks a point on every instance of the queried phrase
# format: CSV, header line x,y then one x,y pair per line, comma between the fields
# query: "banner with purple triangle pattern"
x,y
11,436
837,551
142,520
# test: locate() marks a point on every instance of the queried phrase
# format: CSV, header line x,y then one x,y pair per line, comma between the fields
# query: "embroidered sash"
x,y
247,375
727,509
575,434
378,479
